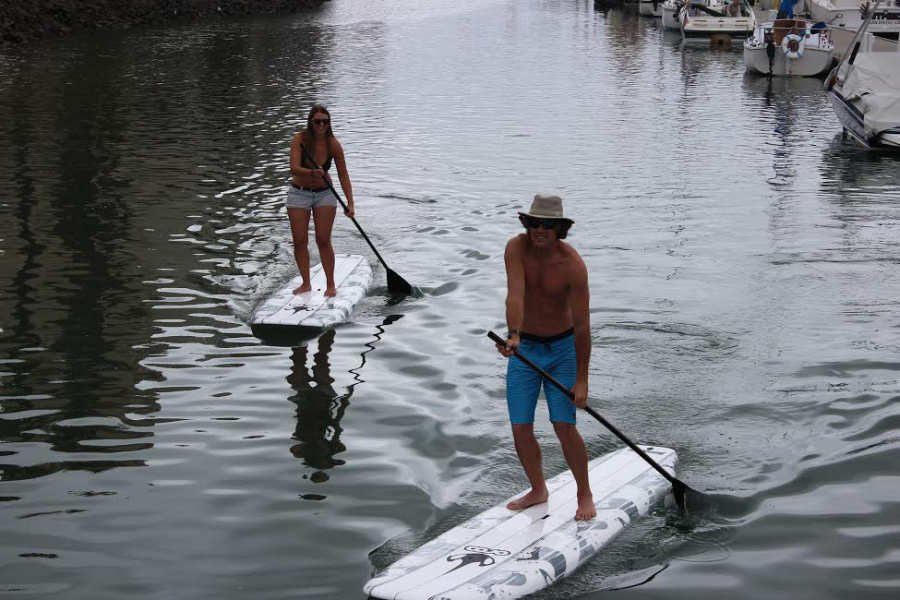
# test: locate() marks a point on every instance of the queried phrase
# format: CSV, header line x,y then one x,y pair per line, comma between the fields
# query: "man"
x,y
549,323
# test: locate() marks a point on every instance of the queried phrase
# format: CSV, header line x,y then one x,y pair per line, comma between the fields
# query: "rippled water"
x,y
744,275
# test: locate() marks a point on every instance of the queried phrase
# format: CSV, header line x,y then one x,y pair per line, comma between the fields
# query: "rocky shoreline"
x,y
25,20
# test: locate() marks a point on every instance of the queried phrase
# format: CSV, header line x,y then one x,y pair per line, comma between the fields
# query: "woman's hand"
x,y
350,209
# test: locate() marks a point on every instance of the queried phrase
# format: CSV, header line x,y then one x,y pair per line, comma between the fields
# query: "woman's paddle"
x,y
396,284
684,496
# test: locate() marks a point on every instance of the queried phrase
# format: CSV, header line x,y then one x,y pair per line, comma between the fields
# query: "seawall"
x,y
25,20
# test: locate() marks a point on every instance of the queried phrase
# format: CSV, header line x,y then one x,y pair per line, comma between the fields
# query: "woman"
x,y
312,152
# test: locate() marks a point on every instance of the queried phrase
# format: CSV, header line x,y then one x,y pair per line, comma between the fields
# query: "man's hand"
x,y
512,344
580,391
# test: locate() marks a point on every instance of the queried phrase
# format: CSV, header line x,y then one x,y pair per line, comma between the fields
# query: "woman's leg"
x,y
299,218
324,216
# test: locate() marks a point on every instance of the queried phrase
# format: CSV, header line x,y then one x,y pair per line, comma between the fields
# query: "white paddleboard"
x,y
312,310
509,554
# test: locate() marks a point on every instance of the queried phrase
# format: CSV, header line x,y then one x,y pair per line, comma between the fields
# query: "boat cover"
x,y
873,86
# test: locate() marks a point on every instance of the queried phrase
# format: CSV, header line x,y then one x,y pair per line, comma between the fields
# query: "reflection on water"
x,y
319,408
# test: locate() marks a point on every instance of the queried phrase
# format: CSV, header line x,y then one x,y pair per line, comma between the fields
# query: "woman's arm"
x,y
344,177
297,158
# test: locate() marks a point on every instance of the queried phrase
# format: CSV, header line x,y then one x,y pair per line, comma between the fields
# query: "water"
x,y
743,270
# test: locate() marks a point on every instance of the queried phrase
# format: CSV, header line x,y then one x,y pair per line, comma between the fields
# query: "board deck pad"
x,y
509,554
312,310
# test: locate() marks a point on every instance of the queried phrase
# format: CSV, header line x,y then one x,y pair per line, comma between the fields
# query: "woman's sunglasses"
x,y
321,121
534,223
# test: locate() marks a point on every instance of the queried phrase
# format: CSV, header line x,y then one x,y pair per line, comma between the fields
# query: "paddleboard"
x,y
509,554
312,310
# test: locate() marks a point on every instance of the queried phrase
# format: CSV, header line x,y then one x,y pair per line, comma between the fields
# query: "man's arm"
x,y
515,294
579,303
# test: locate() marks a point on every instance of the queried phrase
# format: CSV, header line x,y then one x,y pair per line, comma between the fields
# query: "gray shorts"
x,y
308,199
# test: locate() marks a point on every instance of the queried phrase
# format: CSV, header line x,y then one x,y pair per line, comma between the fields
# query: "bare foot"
x,y
330,291
302,289
529,499
586,509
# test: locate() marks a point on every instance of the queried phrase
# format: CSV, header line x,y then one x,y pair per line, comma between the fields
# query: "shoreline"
x,y
23,22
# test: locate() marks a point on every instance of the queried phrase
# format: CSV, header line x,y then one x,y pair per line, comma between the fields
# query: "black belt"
x,y
546,339
306,189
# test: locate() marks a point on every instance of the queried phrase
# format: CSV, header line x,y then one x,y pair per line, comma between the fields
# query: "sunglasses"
x,y
534,223
321,121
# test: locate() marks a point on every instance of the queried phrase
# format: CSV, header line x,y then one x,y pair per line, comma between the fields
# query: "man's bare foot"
x,y
586,509
302,289
529,499
330,291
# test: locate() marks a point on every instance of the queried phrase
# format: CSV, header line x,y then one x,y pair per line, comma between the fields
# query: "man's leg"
x,y
529,452
576,456
522,388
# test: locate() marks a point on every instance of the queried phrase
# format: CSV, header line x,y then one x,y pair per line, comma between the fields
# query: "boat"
x,y
865,91
670,10
507,554
650,8
710,22
789,48
844,18
313,312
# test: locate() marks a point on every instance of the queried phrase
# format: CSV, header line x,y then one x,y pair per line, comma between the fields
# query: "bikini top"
x,y
305,162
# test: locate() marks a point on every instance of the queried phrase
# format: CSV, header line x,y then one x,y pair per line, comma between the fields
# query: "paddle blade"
x,y
398,285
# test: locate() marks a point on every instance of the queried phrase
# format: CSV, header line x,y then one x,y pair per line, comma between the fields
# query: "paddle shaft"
x,y
393,277
496,338
344,206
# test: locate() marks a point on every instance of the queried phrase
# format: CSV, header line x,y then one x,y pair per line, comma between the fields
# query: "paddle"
x,y
684,495
396,284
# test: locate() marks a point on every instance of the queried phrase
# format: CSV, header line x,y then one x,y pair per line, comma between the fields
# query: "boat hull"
x,y
706,28
813,62
853,122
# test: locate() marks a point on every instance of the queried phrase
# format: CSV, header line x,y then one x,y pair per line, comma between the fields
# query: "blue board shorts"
x,y
309,199
556,356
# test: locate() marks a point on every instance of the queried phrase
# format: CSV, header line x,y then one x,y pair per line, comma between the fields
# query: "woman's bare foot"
x,y
586,509
529,499
330,291
302,289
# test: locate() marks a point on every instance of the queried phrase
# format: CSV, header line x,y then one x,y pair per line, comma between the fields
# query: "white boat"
x,y
789,48
706,23
670,10
865,91
650,8
844,18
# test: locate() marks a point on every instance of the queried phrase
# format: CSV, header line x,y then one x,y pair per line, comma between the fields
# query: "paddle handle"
x,y
497,339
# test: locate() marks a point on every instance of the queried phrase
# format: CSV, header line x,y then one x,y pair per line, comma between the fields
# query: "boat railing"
x,y
782,28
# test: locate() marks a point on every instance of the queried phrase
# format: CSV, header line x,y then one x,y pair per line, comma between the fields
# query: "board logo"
x,y
476,555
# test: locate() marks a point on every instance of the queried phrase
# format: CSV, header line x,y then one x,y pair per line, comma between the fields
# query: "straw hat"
x,y
546,207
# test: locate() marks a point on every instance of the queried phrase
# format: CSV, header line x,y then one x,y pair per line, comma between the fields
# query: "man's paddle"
x,y
684,495
396,284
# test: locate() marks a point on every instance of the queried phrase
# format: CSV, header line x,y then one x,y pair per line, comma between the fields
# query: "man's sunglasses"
x,y
534,223
321,121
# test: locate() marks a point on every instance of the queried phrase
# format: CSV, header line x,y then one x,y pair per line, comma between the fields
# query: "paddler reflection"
x,y
319,408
